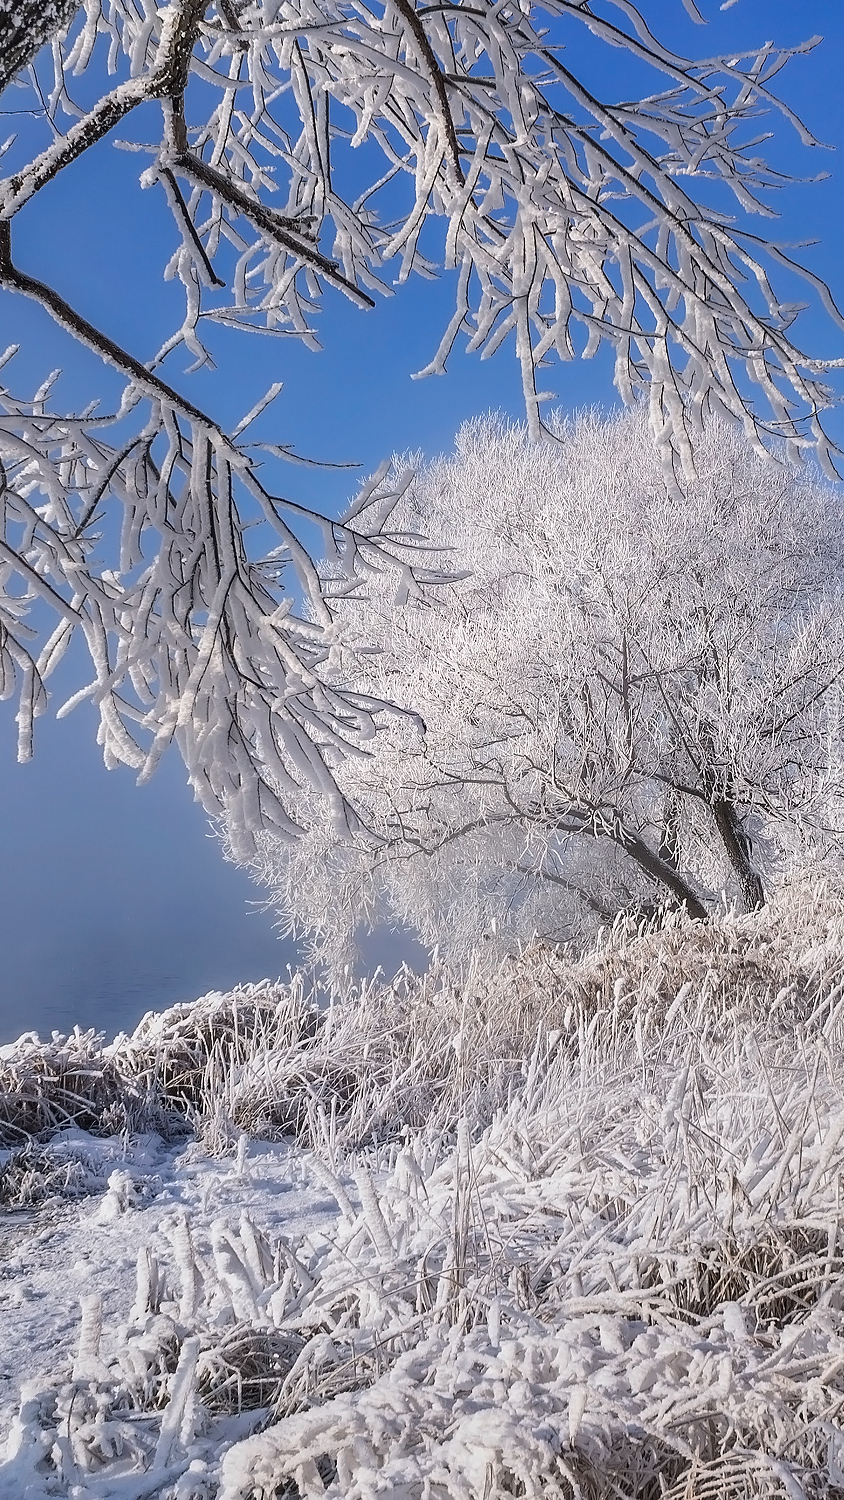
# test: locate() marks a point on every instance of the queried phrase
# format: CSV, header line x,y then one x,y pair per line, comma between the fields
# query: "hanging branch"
x,y
571,220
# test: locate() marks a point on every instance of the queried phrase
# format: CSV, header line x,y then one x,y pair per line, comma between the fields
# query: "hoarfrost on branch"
x,y
318,145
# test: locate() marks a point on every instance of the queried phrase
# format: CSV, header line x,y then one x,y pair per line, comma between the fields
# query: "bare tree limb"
x,y
25,27
67,317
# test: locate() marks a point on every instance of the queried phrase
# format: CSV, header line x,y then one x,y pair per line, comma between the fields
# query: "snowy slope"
x,y
625,1279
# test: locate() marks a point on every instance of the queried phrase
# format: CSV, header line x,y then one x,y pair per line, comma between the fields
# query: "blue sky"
x,y
114,899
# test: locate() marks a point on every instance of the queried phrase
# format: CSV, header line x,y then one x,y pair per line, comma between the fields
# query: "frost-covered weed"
x,y
68,1081
627,1279
188,1056
32,1175
176,1070
72,1165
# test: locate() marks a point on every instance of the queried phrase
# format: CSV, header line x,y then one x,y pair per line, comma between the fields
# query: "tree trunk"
x,y
25,27
737,845
669,839
660,870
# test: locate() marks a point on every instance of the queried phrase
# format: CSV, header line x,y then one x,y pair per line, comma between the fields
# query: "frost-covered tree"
x,y
629,697
316,146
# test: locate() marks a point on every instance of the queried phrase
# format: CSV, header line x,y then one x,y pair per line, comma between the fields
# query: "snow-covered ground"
x,y
621,1275
52,1258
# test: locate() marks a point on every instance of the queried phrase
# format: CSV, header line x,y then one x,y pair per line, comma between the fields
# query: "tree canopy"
x,y
313,147
629,698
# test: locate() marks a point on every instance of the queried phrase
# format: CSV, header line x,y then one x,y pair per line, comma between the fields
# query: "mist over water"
x,y
114,899
110,983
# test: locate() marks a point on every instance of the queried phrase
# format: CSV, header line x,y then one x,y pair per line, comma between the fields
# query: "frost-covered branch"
x,y
25,26
192,633
561,210
318,147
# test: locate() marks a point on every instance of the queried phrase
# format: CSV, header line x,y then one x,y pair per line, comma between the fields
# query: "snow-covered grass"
x,y
586,1238
269,1061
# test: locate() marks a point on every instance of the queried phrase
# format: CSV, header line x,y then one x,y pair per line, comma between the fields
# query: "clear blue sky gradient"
x,y
115,899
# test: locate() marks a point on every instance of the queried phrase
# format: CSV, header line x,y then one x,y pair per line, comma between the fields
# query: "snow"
x,y
52,1259
622,1274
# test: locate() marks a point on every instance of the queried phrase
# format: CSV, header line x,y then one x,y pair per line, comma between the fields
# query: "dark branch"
x,y
412,21
269,223
69,319
25,27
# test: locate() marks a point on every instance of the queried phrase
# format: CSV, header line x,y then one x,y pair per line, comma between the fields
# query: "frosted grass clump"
x,y
70,1081
275,1062
626,1279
